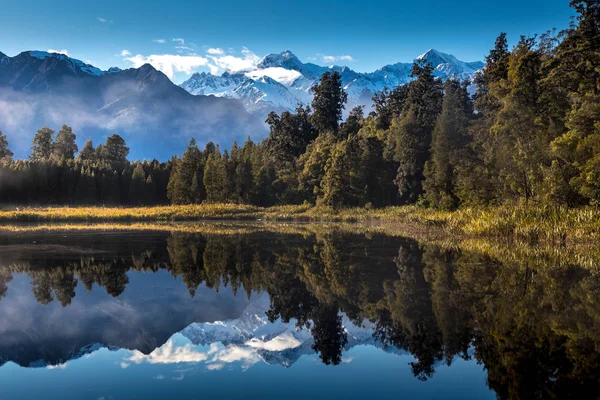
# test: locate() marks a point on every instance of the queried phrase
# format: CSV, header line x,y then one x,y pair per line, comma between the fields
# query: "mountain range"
x,y
280,82
249,334
156,117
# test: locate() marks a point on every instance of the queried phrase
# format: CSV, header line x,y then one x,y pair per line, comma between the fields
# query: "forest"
x,y
529,133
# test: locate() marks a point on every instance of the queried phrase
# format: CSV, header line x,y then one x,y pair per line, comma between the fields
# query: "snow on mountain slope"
x,y
281,81
72,62
273,343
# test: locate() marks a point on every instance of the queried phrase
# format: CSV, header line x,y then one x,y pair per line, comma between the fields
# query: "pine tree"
x,y
574,74
64,145
137,186
182,177
450,138
328,102
519,146
114,151
88,152
410,136
5,153
215,179
42,146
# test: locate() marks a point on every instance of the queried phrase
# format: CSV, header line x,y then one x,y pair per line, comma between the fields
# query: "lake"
x,y
289,311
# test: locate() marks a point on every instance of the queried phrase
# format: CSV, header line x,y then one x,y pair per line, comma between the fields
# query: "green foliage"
x,y
64,145
114,152
530,134
328,102
5,153
42,145
449,141
410,136
215,179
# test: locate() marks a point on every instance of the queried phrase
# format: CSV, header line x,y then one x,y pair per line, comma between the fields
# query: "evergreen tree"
x,y
5,153
88,152
410,136
64,145
450,138
328,102
114,151
137,186
189,170
574,75
42,146
215,179
289,134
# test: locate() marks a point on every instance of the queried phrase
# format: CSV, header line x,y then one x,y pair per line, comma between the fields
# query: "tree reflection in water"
x,y
535,328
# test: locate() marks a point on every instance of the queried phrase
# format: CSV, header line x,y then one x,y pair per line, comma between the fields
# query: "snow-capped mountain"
x,y
249,339
156,117
273,343
281,81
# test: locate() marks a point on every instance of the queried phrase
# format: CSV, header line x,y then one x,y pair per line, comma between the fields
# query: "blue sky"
x,y
363,35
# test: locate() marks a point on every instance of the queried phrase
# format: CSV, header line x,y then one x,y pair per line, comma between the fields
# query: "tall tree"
x,y
450,137
289,134
328,102
5,153
410,135
64,145
114,151
215,179
182,189
42,145
88,152
575,75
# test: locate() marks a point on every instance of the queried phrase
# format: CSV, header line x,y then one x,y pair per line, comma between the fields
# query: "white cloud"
x,y
102,20
215,367
247,62
332,59
186,48
170,63
125,53
216,51
281,75
63,51
179,40
159,40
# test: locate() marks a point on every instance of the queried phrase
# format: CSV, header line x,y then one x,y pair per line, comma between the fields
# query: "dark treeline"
x,y
101,175
529,133
534,329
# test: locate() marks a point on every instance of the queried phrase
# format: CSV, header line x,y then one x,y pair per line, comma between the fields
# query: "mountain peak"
x,y
436,57
285,59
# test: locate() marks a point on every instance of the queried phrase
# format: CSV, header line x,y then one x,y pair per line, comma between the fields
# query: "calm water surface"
x,y
321,314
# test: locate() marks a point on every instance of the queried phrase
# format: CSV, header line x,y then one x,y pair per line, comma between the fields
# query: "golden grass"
x,y
529,224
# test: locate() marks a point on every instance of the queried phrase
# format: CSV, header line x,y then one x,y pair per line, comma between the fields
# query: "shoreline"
x,y
529,224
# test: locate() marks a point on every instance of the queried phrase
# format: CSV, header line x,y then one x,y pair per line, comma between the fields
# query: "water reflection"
x,y
218,299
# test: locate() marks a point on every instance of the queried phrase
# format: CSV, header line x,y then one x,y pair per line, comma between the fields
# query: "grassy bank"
x,y
531,224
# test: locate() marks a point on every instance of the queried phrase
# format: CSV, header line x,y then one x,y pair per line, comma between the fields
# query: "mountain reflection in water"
x,y
216,301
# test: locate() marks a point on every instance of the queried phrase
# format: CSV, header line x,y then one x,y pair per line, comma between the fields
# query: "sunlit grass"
x,y
529,224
